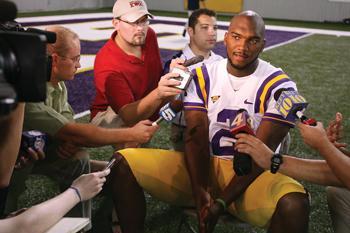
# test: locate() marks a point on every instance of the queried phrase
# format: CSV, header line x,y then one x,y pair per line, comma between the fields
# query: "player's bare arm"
x,y
197,159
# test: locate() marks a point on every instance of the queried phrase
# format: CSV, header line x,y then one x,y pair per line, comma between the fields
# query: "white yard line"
x,y
176,19
287,42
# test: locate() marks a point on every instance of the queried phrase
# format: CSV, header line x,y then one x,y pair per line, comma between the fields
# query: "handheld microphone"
x,y
290,104
193,60
169,111
242,163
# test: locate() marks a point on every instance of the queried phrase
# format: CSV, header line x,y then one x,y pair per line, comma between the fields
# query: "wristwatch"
x,y
276,161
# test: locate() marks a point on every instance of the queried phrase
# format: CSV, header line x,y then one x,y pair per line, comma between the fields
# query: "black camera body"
x,y
24,65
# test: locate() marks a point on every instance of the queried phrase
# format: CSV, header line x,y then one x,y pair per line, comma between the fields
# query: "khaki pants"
x,y
339,207
110,120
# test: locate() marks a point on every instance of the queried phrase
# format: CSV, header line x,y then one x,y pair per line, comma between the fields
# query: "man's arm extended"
x,y
92,136
312,170
144,108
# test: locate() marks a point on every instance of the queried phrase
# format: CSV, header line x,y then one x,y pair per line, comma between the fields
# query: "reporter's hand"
x,y
334,131
177,62
143,131
28,157
253,146
166,86
314,136
89,185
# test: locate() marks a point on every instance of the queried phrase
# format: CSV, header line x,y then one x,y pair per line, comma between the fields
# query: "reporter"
x,y
130,63
41,217
332,171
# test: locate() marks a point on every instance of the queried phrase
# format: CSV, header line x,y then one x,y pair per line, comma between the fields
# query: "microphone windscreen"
x,y
278,93
176,105
289,102
193,60
8,11
50,36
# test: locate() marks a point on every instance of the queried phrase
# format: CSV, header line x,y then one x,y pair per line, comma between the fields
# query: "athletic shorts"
x,y
163,174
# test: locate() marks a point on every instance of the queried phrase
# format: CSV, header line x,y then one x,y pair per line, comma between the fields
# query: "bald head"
x,y
64,39
256,20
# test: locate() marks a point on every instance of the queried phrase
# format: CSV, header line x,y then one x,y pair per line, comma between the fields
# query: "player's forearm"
x,y
88,135
197,156
197,163
140,110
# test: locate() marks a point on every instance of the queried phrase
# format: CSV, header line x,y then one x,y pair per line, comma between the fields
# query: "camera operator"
x,y
66,159
333,171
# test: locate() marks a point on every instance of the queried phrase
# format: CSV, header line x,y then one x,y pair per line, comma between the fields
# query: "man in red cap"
x,y
127,71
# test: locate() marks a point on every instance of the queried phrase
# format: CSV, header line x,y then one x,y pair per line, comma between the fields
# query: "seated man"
x,y
217,92
66,158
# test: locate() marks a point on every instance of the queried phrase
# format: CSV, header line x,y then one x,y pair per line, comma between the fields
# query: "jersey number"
x,y
226,115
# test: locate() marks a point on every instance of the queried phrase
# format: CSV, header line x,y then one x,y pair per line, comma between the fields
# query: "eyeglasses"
x,y
75,59
141,23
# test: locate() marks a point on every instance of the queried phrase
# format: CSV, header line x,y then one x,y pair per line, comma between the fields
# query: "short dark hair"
x,y
193,19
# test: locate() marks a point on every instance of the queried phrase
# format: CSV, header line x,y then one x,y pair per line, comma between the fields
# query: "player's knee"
x,y
293,205
121,167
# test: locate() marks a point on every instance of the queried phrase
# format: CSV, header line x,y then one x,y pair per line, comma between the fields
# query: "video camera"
x,y
24,65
